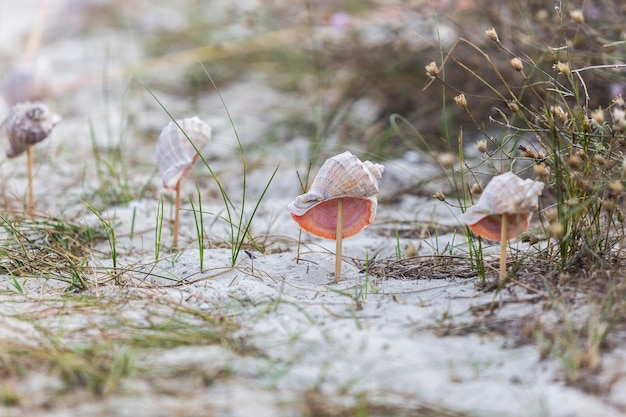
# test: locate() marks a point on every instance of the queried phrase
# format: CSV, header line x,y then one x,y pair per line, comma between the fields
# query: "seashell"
x,y
342,176
507,195
175,153
26,82
27,124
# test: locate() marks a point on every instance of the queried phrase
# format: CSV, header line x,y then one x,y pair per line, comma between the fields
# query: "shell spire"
x,y
176,154
28,123
344,177
509,197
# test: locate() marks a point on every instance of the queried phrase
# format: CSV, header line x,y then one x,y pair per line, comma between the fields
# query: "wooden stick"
x,y
339,239
177,215
503,240
31,194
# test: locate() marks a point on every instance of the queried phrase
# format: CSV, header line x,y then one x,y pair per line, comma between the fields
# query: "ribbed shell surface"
x,y
175,153
341,176
505,194
28,123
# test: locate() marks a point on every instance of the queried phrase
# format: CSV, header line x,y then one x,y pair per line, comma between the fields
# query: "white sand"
x,y
307,330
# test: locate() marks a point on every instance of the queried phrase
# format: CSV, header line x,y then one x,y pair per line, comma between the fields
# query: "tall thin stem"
x,y
339,239
31,194
177,214
503,240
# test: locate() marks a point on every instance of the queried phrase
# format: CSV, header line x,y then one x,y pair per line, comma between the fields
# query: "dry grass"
x,y
316,404
422,267
82,347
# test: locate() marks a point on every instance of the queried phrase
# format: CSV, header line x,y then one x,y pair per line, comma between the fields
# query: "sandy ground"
x,y
310,332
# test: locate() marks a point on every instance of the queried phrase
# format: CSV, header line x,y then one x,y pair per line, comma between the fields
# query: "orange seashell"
x,y
358,213
175,154
342,176
506,195
28,123
490,227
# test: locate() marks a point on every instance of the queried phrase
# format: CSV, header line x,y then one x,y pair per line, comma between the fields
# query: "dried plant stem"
x,y
177,215
31,194
339,240
34,40
503,240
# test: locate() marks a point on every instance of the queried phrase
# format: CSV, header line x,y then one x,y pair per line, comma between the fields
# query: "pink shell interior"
x,y
321,220
490,227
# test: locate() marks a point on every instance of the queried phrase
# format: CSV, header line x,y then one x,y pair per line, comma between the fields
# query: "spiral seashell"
x,y
343,176
27,124
26,83
175,153
506,195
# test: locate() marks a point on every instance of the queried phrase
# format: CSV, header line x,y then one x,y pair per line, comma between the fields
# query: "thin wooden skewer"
x,y
177,214
31,194
338,239
503,240
34,40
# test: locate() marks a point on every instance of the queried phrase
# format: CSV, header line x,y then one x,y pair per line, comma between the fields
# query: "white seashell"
x,y
27,124
343,175
26,83
506,194
175,153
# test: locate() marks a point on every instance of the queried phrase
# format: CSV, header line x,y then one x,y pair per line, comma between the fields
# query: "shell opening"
x,y
321,220
490,227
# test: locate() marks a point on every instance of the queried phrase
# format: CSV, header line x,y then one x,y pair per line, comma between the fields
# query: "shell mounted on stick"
x,y
28,123
176,154
344,177
506,196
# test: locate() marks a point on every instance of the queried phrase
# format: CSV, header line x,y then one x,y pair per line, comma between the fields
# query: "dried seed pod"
x,y
343,176
577,16
481,146
507,196
432,70
517,64
176,154
27,124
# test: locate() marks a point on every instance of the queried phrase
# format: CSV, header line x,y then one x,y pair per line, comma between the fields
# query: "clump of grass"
x,y
111,165
549,131
99,369
100,355
8,396
111,172
110,233
50,249
316,403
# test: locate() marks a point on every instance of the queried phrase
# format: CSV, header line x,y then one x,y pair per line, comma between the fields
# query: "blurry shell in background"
x,y
27,124
175,154
342,176
26,83
509,195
